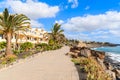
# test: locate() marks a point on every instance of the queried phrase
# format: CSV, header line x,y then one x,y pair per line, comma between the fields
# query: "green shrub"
x,y
76,61
11,58
16,52
26,46
42,46
46,47
51,42
2,45
4,62
8,59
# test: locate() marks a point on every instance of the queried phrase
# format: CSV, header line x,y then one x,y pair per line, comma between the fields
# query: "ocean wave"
x,y
93,48
114,56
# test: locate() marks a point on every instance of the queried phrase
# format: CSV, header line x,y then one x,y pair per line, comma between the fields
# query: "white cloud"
x,y
101,37
110,20
115,32
60,21
74,3
101,32
36,24
101,27
78,36
33,9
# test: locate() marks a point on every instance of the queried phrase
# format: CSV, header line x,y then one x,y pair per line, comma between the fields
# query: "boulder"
x,y
101,63
111,74
108,66
117,72
69,53
72,54
74,49
99,54
86,52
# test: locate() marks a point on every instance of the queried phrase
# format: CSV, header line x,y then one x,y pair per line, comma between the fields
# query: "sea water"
x,y
112,52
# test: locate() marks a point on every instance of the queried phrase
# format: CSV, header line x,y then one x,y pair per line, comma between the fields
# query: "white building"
x,y
33,35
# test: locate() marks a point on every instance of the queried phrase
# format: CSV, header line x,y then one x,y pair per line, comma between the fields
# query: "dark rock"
x,y
99,54
86,52
73,49
76,51
82,75
108,66
114,63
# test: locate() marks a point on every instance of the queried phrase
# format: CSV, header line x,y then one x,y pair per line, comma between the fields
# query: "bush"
x,y
46,47
42,46
8,59
76,61
16,52
4,62
51,42
26,46
11,58
2,45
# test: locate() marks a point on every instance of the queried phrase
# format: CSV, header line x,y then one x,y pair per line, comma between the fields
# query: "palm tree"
x,y
9,24
57,33
61,39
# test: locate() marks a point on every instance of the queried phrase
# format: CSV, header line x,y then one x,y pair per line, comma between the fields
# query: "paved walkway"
x,y
51,65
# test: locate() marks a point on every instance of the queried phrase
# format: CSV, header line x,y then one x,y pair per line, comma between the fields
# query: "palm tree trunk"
x,y
16,41
8,46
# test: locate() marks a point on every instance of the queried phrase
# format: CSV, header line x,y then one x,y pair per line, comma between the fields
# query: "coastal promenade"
x,y
50,65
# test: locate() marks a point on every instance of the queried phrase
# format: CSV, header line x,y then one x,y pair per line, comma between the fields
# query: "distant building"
x,y
33,35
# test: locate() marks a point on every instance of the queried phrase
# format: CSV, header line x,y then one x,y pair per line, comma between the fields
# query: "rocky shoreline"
x,y
93,44
107,64
114,63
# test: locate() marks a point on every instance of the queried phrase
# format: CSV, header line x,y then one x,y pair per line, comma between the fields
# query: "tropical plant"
x,y
9,24
8,59
2,45
26,46
51,42
57,33
61,39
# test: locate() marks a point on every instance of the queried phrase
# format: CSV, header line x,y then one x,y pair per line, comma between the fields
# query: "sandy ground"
x,y
50,65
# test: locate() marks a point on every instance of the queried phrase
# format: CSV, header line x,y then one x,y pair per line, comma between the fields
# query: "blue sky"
x,y
90,20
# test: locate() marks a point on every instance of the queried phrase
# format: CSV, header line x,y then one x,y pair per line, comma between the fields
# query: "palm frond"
x,y
13,22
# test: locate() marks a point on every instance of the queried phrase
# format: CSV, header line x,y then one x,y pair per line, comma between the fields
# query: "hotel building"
x,y
32,35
